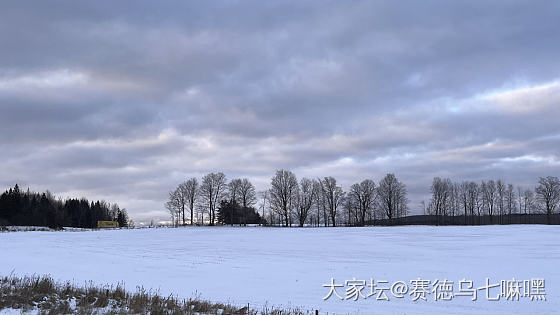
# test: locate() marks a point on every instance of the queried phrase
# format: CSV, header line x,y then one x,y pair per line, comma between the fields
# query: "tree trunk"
x,y
192,214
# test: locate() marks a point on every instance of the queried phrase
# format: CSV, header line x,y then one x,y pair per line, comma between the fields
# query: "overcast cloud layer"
x,y
122,101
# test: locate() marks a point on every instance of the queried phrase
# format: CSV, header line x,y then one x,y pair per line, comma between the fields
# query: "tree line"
x,y
323,202
317,202
494,199
27,208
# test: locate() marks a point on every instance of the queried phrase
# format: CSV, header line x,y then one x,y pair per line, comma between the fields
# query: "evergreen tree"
x,y
33,209
230,212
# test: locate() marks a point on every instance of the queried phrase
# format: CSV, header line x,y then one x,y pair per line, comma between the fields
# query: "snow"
x,y
13,311
14,228
11,228
288,266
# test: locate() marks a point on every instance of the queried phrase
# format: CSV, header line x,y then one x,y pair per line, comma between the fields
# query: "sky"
x,y
122,101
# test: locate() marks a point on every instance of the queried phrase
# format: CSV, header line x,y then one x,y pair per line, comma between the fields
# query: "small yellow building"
x,y
107,224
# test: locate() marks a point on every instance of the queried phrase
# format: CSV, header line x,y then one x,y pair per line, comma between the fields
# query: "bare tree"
x,y
305,198
212,190
510,199
479,200
500,198
528,200
364,196
234,187
264,197
175,204
473,192
352,211
520,198
454,200
392,196
548,194
247,194
320,203
489,197
441,191
190,188
242,192
283,194
184,195
464,197
334,195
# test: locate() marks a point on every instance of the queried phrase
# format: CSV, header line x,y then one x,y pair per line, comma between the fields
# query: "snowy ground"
x,y
12,228
289,266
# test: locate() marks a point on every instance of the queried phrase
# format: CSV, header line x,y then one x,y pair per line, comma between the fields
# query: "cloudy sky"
x,y
122,101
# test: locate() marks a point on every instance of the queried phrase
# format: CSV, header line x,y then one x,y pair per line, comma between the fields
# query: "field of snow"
x,y
288,267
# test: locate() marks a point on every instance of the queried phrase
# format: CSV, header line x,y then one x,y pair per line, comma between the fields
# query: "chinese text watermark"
x,y
438,290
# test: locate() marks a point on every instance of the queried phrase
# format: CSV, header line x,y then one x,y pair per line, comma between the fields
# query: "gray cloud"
x,y
122,102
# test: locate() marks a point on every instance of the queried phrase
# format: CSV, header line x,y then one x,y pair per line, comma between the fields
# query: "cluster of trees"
x,y
287,202
26,208
236,198
493,198
316,201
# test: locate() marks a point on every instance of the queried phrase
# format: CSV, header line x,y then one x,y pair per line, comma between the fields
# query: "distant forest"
x,y
26,208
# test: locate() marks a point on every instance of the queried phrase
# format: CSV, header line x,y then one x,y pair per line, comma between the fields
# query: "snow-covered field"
x,y
288,267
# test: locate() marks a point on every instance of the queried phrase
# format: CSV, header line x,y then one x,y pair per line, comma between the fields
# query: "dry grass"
x,y
43,294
